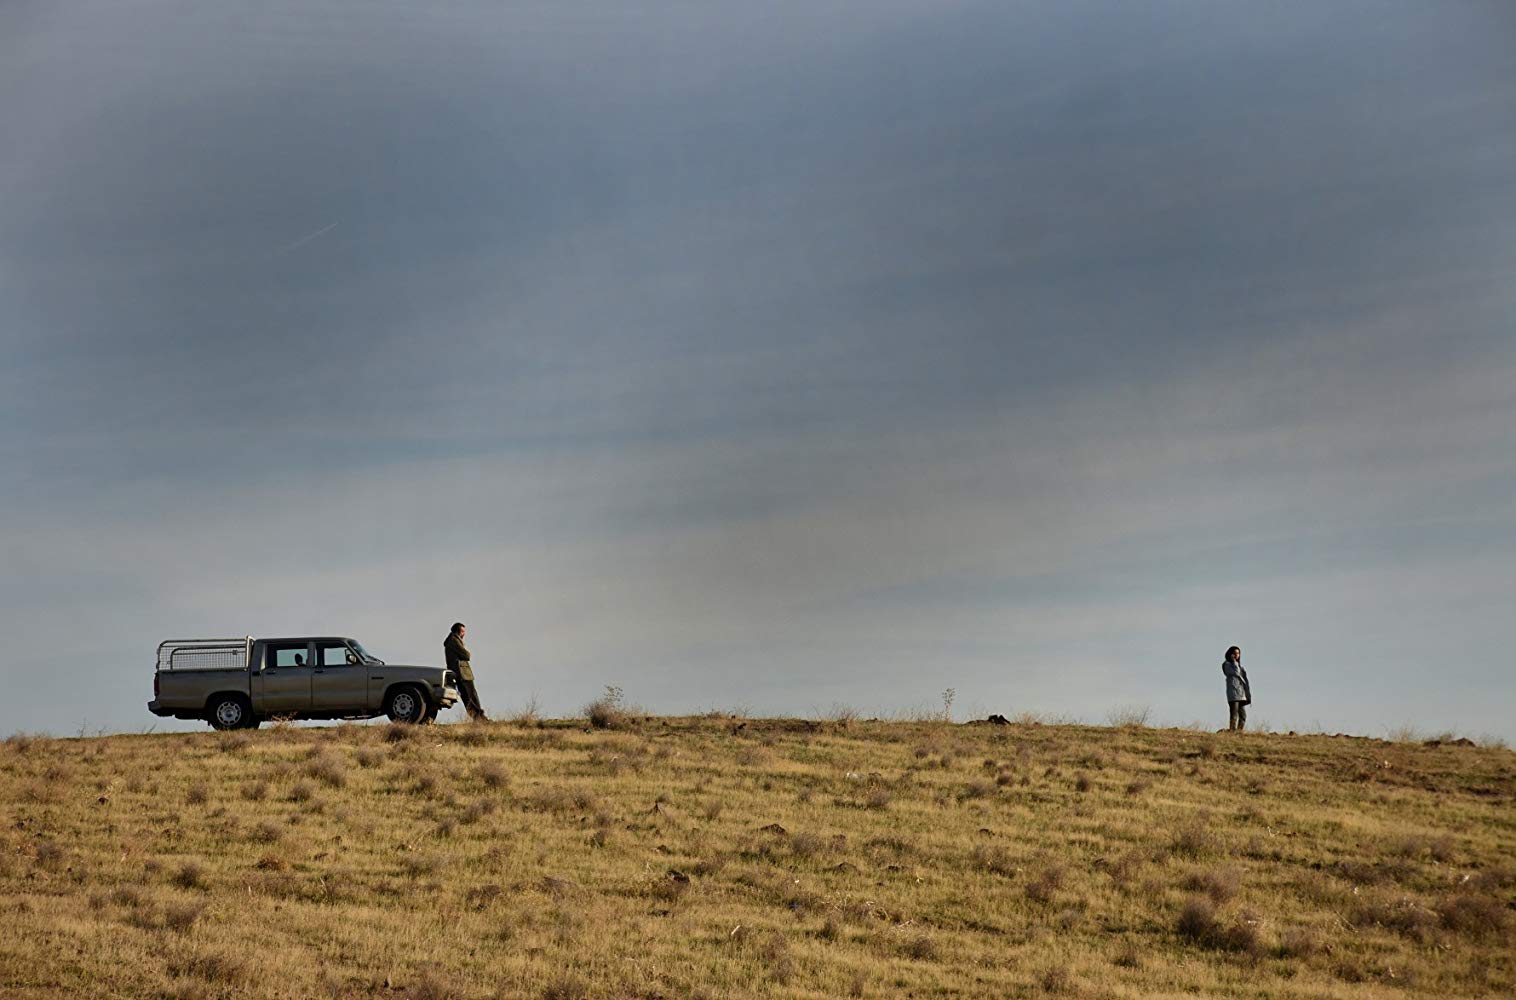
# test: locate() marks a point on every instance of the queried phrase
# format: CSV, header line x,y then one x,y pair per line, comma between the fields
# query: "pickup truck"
x,y
238,683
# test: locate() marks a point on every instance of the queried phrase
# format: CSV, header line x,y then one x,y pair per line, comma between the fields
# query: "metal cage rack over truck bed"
x,y
204,654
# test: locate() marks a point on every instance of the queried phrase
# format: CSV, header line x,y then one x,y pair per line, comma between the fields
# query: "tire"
x,y
229,711
407,704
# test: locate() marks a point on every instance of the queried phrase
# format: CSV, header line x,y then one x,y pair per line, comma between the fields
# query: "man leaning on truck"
x,y
457,661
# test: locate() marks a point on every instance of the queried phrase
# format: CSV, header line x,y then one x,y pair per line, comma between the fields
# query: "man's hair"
x,y
456,627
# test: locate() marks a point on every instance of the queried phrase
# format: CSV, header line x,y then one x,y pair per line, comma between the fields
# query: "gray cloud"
x,y
772,357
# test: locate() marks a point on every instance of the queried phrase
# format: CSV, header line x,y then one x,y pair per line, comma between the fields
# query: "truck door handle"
x,y
376,677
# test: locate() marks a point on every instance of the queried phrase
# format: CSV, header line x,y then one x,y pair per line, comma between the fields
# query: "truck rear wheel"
x,y
229,711
406,704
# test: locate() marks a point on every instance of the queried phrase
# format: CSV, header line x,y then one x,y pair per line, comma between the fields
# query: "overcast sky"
x,y
768,355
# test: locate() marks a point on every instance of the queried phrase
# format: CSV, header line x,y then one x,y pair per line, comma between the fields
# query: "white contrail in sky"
x,y
302,241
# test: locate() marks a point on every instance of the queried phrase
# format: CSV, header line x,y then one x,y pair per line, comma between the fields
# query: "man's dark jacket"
x,y
457,656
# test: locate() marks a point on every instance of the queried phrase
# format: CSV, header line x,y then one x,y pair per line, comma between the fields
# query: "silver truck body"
x,y
237,683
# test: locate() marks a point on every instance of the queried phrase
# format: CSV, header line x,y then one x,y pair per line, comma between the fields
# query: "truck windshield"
x,y
367,656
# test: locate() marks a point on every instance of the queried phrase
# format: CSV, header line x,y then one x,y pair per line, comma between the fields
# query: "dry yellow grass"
x,y
711,857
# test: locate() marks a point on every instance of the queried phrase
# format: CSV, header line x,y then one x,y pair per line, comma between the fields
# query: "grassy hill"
x,y
778,858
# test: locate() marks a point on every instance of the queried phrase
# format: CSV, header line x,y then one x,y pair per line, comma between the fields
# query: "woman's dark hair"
x,y
1230,650
456,627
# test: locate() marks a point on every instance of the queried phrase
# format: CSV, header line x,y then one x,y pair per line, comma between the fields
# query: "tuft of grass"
x,y
1129,716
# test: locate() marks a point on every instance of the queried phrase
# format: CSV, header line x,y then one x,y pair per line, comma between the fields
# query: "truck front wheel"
x,y
229,711
406,704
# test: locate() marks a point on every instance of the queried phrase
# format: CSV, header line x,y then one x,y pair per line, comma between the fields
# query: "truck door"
x,y
284,683
340,682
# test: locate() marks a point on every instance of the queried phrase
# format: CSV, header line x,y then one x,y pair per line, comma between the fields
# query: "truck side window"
x,y
334,655
288,654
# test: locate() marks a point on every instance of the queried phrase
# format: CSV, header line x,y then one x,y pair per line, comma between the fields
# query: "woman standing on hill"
x,y
1238,694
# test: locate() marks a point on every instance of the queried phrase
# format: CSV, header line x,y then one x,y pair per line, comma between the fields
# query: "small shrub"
x,y
328,770
50,856
919,947
557,799
1405,917
1219,884
1197,921
1082,783
128,896
417,865
493,775
215,967
805,845
197,795
1192,841
302,792
1298,942
477,810
368,757
1056,979
190,876
255,792
566,988
233,742
1473,916
182,917
608,711
1047,883
994,859
977,790
434,986
1129,716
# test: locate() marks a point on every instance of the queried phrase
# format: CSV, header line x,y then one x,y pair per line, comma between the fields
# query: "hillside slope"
x,y
745,858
